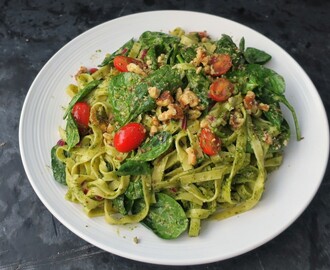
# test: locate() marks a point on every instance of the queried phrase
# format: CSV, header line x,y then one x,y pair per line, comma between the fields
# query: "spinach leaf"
x,y
255,56
72,132
151,57
267,96
274,115
266,78
156,146
199,84
165,78
151,39
280,141
121,95
124,50
134,190
119,204
58,167
133,167
80,95
166,218
188,54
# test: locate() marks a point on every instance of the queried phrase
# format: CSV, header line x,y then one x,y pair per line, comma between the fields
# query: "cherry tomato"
x,y
129,137
221,89
209,142
80,112
220,64
93,70
120,62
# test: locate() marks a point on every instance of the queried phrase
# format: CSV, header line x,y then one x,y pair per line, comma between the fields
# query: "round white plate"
x,y
288,192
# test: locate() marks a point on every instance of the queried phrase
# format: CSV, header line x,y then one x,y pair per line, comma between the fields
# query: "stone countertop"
x,y
32,31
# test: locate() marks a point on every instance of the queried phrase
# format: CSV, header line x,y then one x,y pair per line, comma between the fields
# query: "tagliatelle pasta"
x,y
212,129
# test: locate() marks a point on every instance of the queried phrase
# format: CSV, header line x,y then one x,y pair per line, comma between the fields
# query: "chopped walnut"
x,y
201,57
236,119
205,123
188,98
153,130
81,70
192,160
263,107
131,67
165,99
154,92
267,138
174,112
178,93
250,104
155,121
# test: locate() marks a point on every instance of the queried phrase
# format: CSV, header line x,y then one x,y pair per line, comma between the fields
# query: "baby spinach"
x,y
134,190
274,115
123,203
133,167
166,217
121,95
200,85
151,39
256,56
119,204
156,146
72,132
165,78
58,167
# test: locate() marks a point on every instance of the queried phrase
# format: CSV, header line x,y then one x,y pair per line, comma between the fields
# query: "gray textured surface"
x,y
32,31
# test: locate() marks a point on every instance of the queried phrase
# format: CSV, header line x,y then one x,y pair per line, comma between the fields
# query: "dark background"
x,y
32,31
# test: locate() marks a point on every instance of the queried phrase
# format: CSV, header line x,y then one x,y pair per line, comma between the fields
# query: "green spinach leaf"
x,y
166,218
156,146
165,78
134,190
133,167
151,39
58,167
121,95
199,84
72,132
256,56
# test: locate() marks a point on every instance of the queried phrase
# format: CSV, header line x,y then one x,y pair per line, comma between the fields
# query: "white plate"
x,y
288,192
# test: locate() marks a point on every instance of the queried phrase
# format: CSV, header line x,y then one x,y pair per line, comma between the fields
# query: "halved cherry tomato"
x,y
80,113
209,142
129,137
120,62
221,89
220,64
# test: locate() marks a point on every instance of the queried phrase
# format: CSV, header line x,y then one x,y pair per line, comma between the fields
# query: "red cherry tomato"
x,y
221,89
93,70
80,112
120,62
209,142
220,64
129,137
